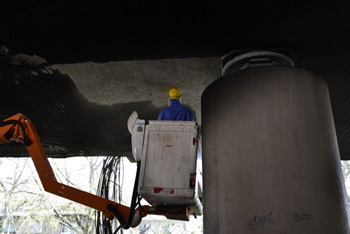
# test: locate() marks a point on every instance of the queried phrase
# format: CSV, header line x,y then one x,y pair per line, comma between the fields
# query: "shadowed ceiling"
x,y
78,69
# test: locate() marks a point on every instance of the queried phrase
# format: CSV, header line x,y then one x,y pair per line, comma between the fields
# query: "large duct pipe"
x,y
270,156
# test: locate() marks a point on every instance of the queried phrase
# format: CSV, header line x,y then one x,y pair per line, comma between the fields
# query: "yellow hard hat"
x,y
174,93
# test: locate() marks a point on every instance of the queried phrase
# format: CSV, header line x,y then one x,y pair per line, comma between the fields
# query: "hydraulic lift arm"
x,y
18,128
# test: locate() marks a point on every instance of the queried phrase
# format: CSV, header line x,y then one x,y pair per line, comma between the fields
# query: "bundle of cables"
x,y
110,187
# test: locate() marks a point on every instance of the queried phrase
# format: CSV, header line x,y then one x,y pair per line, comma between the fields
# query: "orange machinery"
x,y
18,128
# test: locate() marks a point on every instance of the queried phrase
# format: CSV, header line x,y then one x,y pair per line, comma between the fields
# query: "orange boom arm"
x,y
18,128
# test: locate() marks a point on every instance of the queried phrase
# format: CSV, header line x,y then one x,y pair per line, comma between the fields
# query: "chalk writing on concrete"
x,y
259,221
301,216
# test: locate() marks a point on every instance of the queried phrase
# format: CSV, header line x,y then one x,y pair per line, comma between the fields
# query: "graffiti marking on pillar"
x,y
301,217
259,221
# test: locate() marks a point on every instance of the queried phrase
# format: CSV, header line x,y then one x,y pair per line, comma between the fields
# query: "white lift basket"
x,y
171,162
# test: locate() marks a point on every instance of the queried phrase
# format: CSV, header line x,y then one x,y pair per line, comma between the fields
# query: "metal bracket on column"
x,y
237,60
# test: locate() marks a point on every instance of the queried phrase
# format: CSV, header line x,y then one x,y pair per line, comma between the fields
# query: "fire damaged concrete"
x,y
66,122
148,80
82,109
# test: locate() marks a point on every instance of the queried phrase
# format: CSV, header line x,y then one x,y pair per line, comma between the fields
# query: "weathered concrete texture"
x,y
143,81
270,155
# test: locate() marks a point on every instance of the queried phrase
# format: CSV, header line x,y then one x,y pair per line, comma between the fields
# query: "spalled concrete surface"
x,y
82,109
143,81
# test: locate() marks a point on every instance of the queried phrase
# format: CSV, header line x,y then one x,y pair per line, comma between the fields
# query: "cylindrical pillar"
x,y
271,162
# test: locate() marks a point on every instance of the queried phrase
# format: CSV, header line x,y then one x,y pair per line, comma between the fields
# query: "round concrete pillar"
x,y
270,156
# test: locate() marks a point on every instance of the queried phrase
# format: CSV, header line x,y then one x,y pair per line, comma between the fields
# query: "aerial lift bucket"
x,y
171,160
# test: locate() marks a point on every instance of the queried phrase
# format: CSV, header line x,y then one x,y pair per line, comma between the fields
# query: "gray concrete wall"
x,y
270,155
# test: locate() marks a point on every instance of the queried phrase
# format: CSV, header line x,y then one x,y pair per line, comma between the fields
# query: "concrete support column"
x,y
270,156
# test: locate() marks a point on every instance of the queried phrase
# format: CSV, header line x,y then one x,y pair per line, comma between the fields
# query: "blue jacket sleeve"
x,y
160,116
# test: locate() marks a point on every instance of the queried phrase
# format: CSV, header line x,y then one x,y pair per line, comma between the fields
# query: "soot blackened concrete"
x,y
67,124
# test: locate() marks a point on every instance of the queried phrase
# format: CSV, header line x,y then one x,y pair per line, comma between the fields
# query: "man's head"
x,y
174,93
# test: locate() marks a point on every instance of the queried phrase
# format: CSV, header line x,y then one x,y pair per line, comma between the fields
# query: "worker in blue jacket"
x,y
176,111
